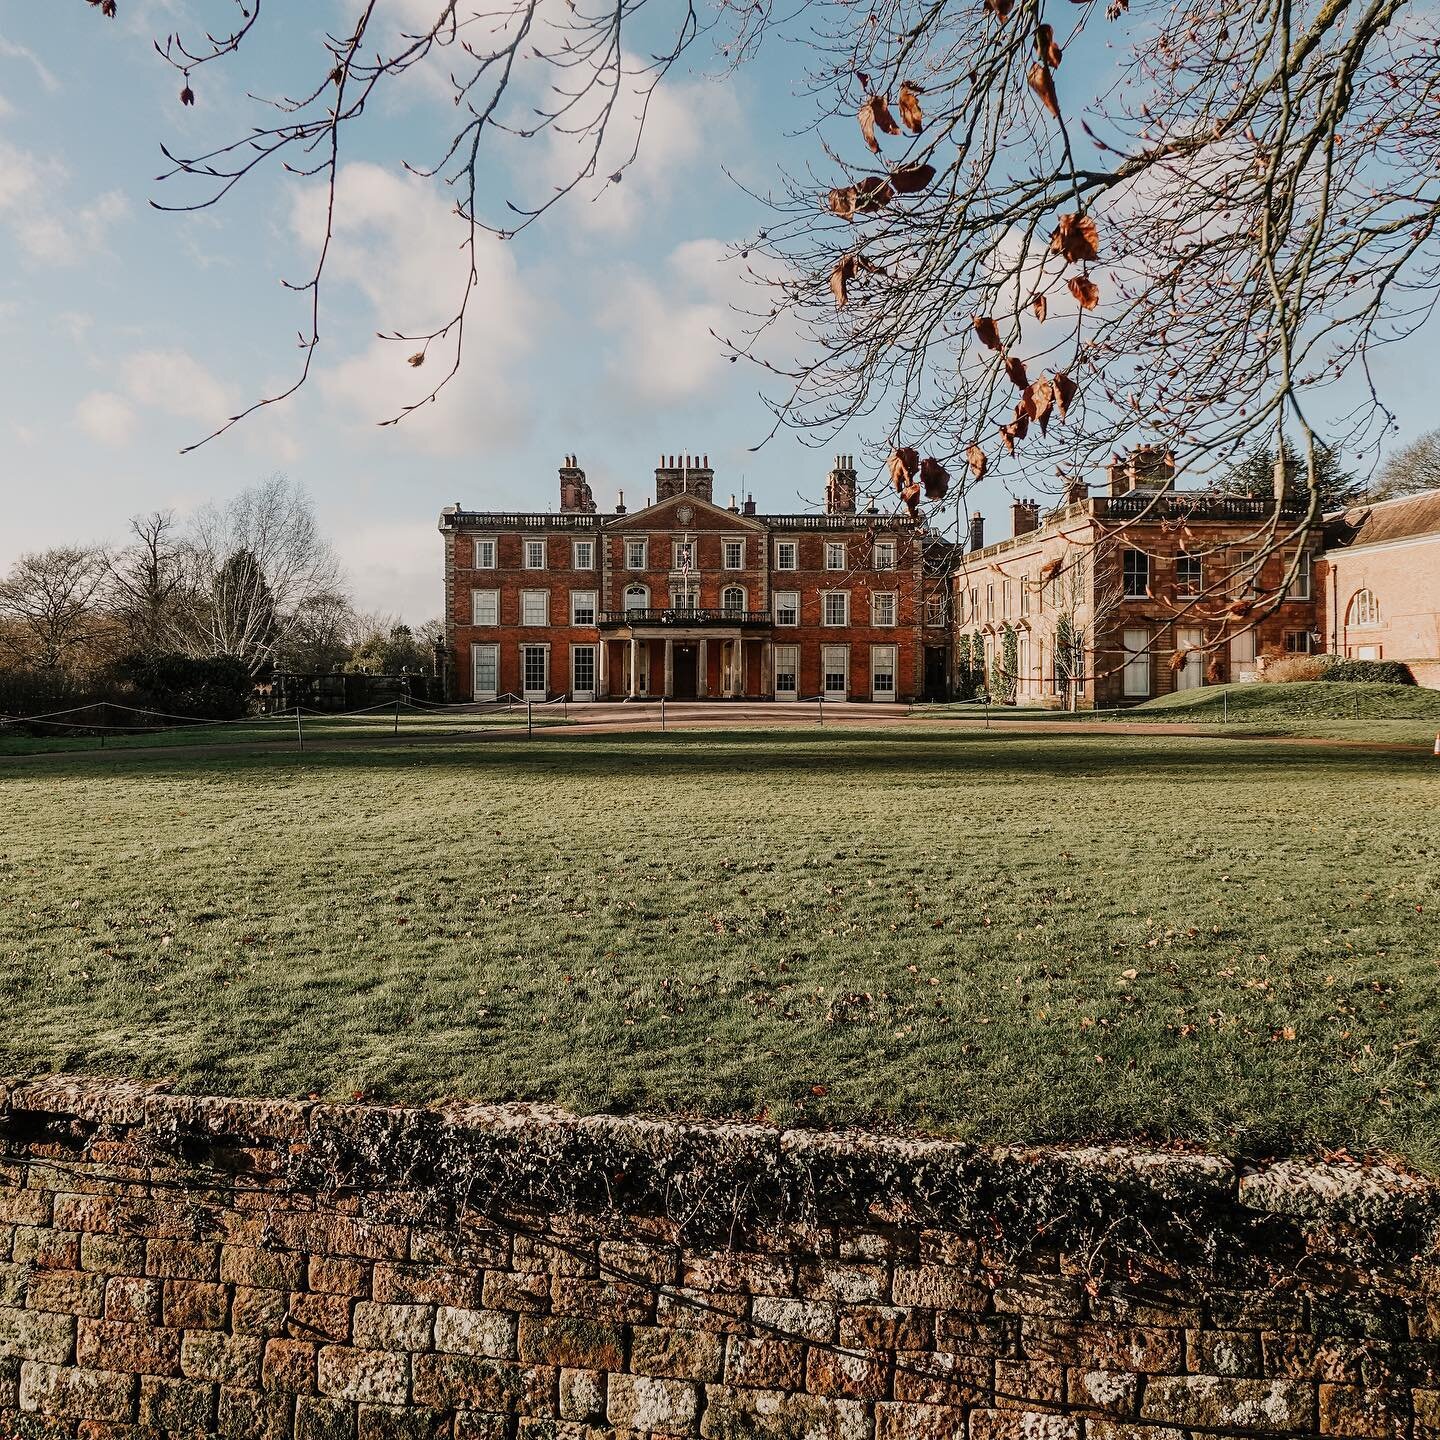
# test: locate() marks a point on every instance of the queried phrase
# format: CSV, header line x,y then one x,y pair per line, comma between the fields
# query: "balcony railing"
x,y
1189,505
683,616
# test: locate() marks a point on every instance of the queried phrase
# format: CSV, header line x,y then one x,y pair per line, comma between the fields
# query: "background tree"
x,y
51,615
1412,468
1254,476
150,594
388,646
324,634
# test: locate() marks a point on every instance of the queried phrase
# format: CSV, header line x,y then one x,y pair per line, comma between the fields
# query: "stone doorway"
x,y
687,670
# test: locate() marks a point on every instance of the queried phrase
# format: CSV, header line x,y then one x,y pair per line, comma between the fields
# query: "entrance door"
x,y
1242,656
934,673
486,666
1190,641
1137,664
535,672
687,669
582,672
787,672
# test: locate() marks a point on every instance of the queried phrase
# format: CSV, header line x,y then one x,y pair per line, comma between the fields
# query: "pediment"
x,y
665,515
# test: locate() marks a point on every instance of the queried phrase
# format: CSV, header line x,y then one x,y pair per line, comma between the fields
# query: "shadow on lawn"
x,y
786,754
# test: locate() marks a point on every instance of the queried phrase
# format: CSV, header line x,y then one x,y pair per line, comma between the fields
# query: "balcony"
x,y
1191,505
746,619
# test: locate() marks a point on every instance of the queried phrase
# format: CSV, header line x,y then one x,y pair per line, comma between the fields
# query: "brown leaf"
x,y
187,95
1085,290
1007,438
934,477
1051,568
988,331
978,463
910,494
1065,389
417,359
1021,423
1049,51
875,113
1076,238
911,115
1042,82
872,194
1039,397
1015,369
842,201
840,277
903,465
1040,305
908,179
1000,8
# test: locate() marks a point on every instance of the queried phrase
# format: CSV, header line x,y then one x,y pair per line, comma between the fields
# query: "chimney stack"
x,y
840,487
748,508
1024,517
620,504
1076,491
977,532
575,496
1287,469
1147,467
684,475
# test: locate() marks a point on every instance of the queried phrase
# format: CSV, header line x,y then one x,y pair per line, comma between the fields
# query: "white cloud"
x,y
11,50
396,568
49,229
176,383
400,244
107,417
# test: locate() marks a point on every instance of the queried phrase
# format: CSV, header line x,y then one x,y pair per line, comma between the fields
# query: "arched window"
x,y
1364,608
732,597
637,597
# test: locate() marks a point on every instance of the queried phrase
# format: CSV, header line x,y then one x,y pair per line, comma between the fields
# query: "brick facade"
x,y
688,599
288,1271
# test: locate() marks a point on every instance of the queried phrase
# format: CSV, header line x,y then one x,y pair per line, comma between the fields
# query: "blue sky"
x,y
129,333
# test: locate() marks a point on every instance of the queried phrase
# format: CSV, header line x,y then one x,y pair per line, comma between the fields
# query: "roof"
x,y
1403,518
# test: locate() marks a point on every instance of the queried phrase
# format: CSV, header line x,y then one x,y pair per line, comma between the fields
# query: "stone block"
x,y
132,1302
32,1335
227,1359
1353,1410
797,1319
941,1379
1233,1353
675,1354
67,1292
71,1393
323,1317
1060,1297
645,1402
852,1284
112,1254
289,1365
141,1349
858,1374
1023,1384
391,1327
178,1407
635,1261
403,1422
470,1382
522,1294
329,1275
1209,1401
396,1283
738,1273
483,1425
259,1312
45,1249
582,1395
319,1419
195,1305
260,1268
345,1373
602,1300
887,1327
703,1310
902,1420
765,1364
1022,1425
533,1256
569,1340
940,1287
34,1207
254,1414
777,1415
475,1332
1112,1391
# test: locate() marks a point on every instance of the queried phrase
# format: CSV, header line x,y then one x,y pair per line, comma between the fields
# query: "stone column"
x,y
603,678
767,659
669,689
702,673
634,667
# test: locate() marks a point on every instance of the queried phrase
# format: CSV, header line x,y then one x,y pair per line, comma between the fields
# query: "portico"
x,y
676,661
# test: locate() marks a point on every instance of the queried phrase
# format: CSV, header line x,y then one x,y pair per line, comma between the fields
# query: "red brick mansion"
x,y
1106,599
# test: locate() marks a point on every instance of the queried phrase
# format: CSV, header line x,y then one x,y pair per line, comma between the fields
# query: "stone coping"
x,y
1313,1190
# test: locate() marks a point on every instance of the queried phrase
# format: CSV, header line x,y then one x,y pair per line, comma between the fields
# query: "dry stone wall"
x,y
273,1270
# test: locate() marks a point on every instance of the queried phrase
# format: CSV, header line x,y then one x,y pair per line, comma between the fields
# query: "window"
x,y
1135,572
974,607
882,608
882,672
1242,577
884,554
734,554
1304,576
635,554
582,671
835,670
1364,608
732,597
1137,662
534,607
787,555
1299,642
682,555
1024,594
1189,576
837,607
1005,599
582,555
582,610
485,663
787,672
834,556
534,554
787,607
684,597
484,554
637,597
989,603
535,670
484,607
935,611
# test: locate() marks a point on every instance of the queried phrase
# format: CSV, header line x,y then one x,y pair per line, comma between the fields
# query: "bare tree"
x,y
1412,468
150,593
257,561
1031,274
50,606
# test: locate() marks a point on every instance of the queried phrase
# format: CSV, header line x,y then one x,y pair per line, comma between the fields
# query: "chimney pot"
x,y
977,531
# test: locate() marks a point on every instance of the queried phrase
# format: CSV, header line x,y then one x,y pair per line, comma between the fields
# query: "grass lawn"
x,y
1003,936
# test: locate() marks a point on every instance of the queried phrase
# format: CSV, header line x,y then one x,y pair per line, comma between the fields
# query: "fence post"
x,y
529,718
1224,707
662,714
397,719
820,703
299,730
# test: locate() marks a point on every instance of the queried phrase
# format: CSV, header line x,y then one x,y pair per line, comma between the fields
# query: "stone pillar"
x,y
634,667
603,678
702,687
669,689
767,659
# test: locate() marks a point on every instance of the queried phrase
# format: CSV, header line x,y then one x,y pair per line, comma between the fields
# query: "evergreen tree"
x,y
1254,476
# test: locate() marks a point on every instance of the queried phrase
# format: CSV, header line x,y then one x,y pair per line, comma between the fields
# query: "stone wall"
x,y
180,1266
